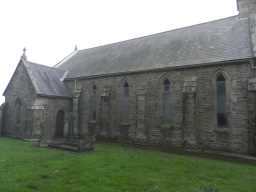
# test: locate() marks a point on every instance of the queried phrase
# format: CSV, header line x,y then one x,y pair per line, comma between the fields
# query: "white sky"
x,y
49,29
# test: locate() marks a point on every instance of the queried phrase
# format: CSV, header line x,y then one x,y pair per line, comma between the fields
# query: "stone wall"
x,y
246,7
51,108
191,104
37,115
194,104
20,87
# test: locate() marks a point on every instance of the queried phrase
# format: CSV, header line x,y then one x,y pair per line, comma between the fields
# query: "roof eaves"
x,y
54,96
236,61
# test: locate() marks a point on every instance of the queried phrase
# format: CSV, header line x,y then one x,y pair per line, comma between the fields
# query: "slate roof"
x,y
47,81
221,40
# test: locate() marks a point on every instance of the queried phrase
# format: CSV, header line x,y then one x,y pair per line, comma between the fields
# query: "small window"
x,y
94,88
167,85
126,89
221,101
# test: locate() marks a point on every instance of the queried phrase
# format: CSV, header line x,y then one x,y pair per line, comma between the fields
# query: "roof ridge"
x,y
159,33
69,56
45,66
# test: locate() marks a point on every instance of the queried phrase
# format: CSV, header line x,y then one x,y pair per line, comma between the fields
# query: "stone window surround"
x,y
18,108
126,89
94,104
124,100
167,85
228,99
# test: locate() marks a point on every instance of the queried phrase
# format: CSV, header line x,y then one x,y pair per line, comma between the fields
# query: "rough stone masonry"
x,y
193,87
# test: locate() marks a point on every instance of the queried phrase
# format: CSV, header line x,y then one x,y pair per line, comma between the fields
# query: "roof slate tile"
x,y
221,40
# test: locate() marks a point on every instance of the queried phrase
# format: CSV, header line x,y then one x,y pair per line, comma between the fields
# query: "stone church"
x,y
193,87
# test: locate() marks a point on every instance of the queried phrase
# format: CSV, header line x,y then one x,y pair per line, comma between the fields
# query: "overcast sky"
x,y
50,29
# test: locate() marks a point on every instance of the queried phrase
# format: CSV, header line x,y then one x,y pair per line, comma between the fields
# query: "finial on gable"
x,y
76,48
24,56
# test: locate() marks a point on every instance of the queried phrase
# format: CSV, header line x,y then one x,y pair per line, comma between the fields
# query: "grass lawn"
x,y
113,168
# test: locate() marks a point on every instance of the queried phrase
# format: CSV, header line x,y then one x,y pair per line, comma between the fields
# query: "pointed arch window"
x,y
94,88
93,102
166,101
126,89
167,85
18,110
221,100
124,102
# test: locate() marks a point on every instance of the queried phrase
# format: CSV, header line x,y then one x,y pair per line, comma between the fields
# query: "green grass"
x,y
113,168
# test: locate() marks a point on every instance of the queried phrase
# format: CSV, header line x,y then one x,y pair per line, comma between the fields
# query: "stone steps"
x,y
77,145
70,145
65,147
139,143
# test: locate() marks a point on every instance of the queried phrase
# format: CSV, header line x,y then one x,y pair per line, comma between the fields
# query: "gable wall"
x,y
19,87
195,121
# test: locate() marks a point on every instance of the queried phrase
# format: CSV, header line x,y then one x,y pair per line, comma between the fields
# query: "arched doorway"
x,y
59,129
